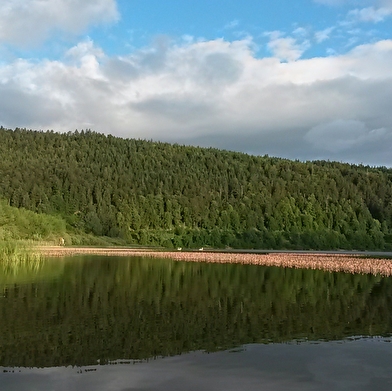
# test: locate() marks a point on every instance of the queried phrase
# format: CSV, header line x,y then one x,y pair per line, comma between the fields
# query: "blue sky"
x,y
231,20
304,79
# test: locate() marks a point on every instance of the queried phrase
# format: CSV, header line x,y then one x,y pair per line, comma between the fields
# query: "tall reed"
x,y
17,251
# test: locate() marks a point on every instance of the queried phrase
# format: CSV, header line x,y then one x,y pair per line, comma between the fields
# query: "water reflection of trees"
x,y
105,309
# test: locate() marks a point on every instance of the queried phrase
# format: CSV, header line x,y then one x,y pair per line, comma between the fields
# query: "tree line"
x,y
155,193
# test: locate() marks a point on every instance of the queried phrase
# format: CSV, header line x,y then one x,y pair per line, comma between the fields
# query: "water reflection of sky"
x,y
362,364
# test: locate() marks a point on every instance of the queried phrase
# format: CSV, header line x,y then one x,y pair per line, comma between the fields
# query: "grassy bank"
x,y
18,224
21,230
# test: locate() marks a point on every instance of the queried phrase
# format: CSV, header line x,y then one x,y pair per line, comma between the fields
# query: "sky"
x,y
303,79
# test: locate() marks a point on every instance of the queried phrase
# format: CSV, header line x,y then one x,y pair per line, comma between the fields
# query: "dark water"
x,y
97,323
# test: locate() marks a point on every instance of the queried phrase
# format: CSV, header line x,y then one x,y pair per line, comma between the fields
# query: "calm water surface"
x,y
104,323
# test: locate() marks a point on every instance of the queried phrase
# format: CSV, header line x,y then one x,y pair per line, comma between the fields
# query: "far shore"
x,y
333,261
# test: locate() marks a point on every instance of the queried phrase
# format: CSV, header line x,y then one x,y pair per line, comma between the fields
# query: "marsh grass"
x,y
18,261
21,231
17,251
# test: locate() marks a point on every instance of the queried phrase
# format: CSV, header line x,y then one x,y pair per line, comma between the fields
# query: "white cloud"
x,y
25,22
370,14
213,93
333,2
232,24
86,56
374,3
286,48
374,11
323,35
300,32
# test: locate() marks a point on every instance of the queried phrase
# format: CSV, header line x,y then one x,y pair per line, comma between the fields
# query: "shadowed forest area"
x,y
152,193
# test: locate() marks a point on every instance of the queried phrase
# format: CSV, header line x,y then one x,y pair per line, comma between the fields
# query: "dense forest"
x,y
77,312
154,193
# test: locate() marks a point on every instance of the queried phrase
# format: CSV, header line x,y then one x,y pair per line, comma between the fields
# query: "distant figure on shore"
x,y
201,249
61,242
179,248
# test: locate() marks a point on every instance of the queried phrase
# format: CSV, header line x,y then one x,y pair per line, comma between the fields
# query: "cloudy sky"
x,y
303,79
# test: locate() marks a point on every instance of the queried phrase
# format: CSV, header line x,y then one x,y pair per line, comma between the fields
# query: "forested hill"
x,y
161,194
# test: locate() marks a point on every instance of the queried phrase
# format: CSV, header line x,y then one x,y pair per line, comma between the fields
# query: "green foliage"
x,y
154,193
20,224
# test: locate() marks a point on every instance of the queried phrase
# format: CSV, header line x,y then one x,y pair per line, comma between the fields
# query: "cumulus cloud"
x,y
213,93
24,22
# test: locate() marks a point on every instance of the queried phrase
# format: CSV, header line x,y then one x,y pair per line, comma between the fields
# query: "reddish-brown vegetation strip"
x,y
329,262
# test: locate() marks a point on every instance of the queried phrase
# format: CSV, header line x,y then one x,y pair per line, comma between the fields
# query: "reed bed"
x,y
17,257
329,262
18,250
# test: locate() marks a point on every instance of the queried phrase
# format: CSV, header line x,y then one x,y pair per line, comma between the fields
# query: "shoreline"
x,y
357,263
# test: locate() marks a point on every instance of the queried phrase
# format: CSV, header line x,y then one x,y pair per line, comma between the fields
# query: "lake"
x,y
118,323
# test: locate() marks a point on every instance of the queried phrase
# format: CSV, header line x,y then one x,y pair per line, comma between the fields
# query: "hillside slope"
x,y
155,193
